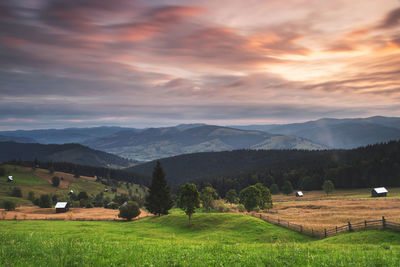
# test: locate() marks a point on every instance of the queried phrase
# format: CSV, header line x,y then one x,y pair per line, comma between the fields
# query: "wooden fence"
x,y
349,227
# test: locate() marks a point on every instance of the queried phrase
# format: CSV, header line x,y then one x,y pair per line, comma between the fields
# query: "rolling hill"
x,y
154,143
339,133
73,153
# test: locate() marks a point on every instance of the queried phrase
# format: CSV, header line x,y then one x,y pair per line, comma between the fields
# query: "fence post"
x,y
336,229
365,225
312,232
350,229
325,232
260,216
383,222
279,221
301,228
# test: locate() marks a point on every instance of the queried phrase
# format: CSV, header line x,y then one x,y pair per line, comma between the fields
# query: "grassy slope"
x,y
38,182
213,240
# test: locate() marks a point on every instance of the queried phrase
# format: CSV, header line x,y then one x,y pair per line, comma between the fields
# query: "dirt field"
x,y
35,213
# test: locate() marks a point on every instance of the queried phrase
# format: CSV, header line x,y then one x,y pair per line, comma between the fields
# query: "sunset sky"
x,y
156,63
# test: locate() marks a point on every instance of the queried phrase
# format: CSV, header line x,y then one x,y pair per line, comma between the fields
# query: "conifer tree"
x,y
159,200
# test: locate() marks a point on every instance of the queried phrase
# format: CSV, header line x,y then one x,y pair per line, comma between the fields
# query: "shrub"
x,y
250,197
82,195
31,196
241,208
220,205
16,192
129,210
45,201
231,196
9,205
89,205
274,189
55,181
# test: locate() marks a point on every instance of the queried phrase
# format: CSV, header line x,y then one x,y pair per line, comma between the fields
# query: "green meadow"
x,y
214,239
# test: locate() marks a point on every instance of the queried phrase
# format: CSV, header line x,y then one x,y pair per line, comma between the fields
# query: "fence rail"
x,y
349,227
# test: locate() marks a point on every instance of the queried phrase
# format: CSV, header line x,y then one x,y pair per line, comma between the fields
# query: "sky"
x,y
83,63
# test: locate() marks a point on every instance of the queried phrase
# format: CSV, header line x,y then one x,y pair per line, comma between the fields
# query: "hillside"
x,y
73,153
60,136
213,239
363,167
156,143
339,133
39,182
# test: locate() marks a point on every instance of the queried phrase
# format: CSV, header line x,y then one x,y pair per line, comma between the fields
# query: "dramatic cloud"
x,y
148,63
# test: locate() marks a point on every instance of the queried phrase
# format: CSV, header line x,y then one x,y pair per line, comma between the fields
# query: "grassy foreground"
x,y
213,240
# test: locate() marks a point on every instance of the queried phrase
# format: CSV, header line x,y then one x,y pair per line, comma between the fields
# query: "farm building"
x,y
299,194
379,192
71,192
62,207
105,189
10,179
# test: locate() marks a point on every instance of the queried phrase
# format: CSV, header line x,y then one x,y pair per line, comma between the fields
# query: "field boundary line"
x,y
349,227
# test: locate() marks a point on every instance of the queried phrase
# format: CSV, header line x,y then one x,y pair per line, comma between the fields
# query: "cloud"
x,y
391,20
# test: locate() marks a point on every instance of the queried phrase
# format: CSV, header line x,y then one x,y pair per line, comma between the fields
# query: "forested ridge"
x,y
370,166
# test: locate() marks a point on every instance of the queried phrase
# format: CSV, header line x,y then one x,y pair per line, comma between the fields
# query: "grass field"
x,y
213,240
316,210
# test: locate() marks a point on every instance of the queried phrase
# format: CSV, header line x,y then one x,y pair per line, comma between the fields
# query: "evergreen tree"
x,y
189,199
159,200
287,187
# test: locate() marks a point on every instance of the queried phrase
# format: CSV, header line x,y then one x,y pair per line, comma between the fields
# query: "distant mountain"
x,y
339,133
62,136
73,153
154,143
4,138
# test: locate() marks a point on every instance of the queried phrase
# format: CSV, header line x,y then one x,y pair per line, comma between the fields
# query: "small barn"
x,y
379,192
10,179
62,207
106,190
299,194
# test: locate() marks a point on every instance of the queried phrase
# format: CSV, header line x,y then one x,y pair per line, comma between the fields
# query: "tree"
x,y
208,194
121,199
82,195
55,181
266,200
31,195
328,186
231,196
45,201
16,192
250,197
287,187
274,189
159,200
9,205
188,199
129,210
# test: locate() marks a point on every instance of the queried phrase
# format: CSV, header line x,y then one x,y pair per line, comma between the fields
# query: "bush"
x,y
274,189
241,208
220,205
16,192
82,195
45,201
9,205
31,196
55,181
129,211
89,205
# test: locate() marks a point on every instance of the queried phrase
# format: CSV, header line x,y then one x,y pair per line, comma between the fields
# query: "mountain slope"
x,y
339,133
5,138
156,143
73,153
62,136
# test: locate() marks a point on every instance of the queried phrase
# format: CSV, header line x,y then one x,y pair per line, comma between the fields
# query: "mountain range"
x,y
338,133
154,143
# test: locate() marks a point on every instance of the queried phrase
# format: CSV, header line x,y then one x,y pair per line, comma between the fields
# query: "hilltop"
x,y
72,153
